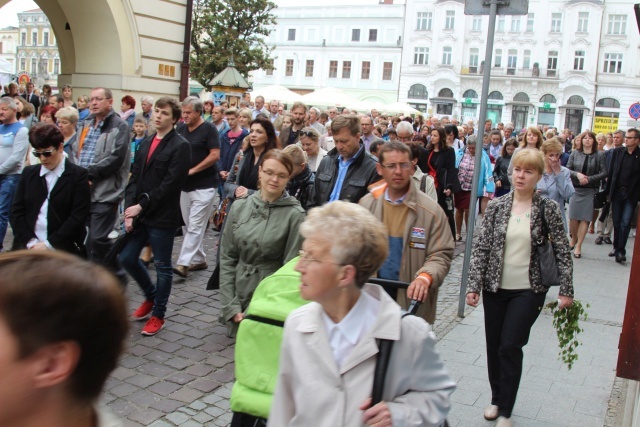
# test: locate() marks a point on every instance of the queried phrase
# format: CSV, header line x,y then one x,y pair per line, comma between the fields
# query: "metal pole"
x,y
493,12
186,49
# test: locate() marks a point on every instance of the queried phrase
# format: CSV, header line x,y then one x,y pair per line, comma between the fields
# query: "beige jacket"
x,y
428,243
312,391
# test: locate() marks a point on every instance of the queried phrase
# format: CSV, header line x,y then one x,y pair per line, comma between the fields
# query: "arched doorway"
x,y
444,102
520,110
418,96
470,105
547,111
575,113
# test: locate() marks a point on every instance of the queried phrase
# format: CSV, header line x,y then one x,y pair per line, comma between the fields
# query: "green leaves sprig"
x,y
567,329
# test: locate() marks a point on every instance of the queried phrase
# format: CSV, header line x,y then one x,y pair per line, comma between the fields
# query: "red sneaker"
x,y
143,311
153,326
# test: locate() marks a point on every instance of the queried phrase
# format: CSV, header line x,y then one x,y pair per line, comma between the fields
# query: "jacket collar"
x,y
378,188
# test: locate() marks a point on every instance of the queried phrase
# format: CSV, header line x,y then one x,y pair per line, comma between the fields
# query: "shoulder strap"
x,y
545,227
423,183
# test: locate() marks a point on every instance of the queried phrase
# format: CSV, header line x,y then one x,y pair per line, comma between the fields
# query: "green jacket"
x,y
258,238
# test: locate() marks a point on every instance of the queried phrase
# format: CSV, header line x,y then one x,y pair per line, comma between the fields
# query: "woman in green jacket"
x,y
259,237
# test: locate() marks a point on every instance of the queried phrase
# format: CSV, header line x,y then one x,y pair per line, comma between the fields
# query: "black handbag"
x,y
546,257
599,199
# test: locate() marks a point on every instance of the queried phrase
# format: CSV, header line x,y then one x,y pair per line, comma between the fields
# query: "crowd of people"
x,y
287,183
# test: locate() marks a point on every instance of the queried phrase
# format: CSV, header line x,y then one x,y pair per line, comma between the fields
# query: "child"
x,y
83,107
139,132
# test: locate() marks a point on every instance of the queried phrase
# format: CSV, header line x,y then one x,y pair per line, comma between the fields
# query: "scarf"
x,y
125,115
248,176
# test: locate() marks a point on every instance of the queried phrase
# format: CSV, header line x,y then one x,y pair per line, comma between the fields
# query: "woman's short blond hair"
x,y
298,155
552,145
356,236
68,113
246,113
529,158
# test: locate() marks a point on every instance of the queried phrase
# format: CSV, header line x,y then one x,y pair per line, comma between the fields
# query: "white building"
x,y
354,48
9,45
37,52
567,63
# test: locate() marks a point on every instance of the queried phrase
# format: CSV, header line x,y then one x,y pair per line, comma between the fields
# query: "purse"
x,y
546,257
221,214
599,199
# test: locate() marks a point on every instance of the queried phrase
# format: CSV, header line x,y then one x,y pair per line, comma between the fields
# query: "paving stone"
x,y
177,418
198,405
156,370
191,423
142,380
122,373
146,416
179,362
214,411
167,405
159,356
199,370
222,376
188,411
169,347
192,354
202,417
190,342
123,390
186,394
132,362
181,378
211,399
198,333
164,388
205,385
143,398
140,350
160,423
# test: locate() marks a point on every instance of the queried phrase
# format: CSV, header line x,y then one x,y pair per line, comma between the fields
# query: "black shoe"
x,y
621,258
598,240
608,241
613,253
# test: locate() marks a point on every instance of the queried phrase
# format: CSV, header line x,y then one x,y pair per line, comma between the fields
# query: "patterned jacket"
x,y
488,252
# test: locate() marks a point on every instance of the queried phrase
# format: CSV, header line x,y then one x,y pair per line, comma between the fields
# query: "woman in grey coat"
x,y
588,168
556,179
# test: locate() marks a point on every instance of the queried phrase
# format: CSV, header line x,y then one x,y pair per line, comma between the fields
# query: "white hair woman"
x,y
67,120
309,141
332,340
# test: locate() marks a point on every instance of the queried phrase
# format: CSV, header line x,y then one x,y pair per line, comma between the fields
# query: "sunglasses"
x,y
308,134
47,153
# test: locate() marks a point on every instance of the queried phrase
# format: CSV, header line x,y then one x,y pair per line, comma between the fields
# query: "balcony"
x,y
473,70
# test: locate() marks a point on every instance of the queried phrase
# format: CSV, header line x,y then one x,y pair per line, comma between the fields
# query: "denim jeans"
x,y
8,184
622,213
161,241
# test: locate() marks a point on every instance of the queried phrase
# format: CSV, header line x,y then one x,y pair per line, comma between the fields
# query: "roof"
x,y
229,77
32,11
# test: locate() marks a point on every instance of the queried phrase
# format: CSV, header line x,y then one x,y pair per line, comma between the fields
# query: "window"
x,y
548,98
608,103
56,66
446,55
495,95
552,63
470,93
477,23
515,24
289,68
366,70
269,72
292,34
583,22
512,60
501,20
418,91
309,69
45,39
387,70
355,35
498,59
556,22
23,64
23,39
612,63
333,69
530,21
346,69
34,66
421,56
34,38
474,58
521,97
450,20
373,35
617,25
526,59
575,100
424,21
578,60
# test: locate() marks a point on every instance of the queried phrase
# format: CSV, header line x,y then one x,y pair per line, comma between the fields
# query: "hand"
x,y
238,317
564,301
555,166
90,183
40,246
378,416
133,211
447,192
472,299
583,179
499,184
224,174
241,192
128,224
191,172
418,290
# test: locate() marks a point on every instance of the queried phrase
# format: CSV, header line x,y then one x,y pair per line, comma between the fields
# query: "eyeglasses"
x,y
97,99
306,259
631,137
270,174
393,166
47,153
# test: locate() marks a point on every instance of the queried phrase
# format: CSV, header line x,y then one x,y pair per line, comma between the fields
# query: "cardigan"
x,y
488,251
596,168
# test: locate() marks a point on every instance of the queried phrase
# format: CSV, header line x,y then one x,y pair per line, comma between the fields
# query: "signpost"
x,y
491,8
634,111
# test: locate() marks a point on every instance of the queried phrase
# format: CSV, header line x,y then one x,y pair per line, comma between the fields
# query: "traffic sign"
x,y
505,7
634,111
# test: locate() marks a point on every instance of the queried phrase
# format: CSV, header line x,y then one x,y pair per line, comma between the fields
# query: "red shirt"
x,y
154,145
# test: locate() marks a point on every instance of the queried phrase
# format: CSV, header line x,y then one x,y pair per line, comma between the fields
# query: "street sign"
x,y
633,123
467,100
505,7
546,105
634,111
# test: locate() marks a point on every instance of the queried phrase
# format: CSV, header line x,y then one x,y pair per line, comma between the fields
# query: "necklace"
x,y
518,217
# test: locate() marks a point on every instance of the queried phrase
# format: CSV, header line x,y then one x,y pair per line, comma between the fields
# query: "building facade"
x,y
354,48
9,45
37,52
569,64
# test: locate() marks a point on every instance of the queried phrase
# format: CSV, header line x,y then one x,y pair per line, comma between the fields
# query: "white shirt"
x,y
344,336
51,178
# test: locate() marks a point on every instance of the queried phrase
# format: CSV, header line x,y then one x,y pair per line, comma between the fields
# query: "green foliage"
x,y
567,328
226,29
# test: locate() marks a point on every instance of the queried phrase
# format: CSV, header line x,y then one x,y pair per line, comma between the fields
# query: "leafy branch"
x,y
566,322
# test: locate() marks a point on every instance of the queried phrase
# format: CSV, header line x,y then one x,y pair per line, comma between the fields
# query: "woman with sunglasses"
x,y
52,200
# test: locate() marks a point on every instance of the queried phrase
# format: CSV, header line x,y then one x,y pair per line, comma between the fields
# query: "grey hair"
x,y
315,110
148,99
9,101
404,126
68,113
194,102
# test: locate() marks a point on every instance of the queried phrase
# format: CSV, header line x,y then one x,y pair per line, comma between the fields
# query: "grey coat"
x,y
557,188
488,251
596,168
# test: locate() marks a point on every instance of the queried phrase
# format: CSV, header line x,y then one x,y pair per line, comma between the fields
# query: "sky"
x,y
8,12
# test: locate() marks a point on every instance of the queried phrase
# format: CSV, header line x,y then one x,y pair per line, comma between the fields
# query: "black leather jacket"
x,y
361,173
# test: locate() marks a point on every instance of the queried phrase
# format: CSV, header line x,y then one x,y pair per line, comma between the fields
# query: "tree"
x,y
223,30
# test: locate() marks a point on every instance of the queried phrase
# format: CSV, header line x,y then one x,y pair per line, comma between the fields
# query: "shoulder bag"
x,y
546,257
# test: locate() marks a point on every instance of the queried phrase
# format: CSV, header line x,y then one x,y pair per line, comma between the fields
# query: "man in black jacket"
x,y
623,188
347,170
152,213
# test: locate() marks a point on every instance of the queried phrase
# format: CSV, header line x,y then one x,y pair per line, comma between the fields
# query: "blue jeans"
x,y
8,184
622,213
161,240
